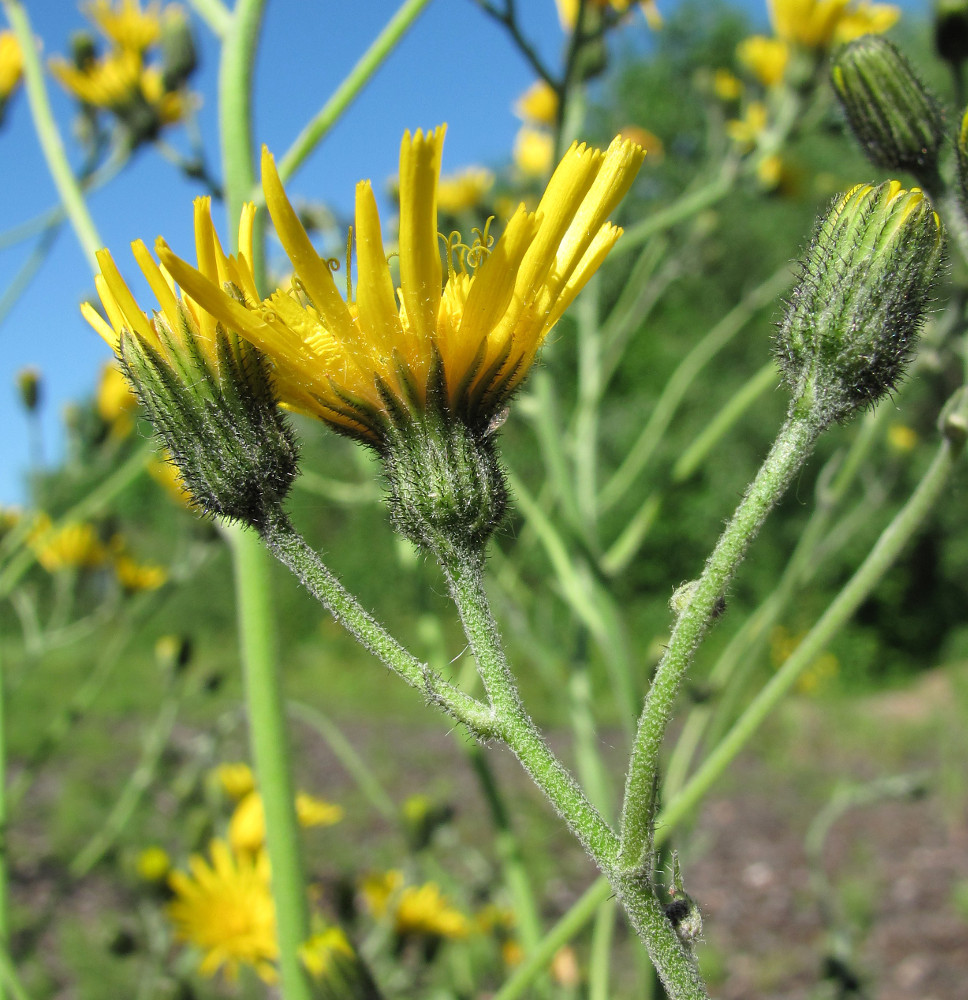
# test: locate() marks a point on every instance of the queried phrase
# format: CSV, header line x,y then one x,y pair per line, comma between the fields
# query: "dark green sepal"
x,y
898,122
233,447
853,319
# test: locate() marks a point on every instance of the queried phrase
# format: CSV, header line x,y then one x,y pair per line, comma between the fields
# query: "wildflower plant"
x,y
420,354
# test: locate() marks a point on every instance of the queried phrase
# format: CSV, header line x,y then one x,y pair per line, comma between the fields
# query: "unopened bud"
x,y
29,388
896,119
951,30
235,452
854,317
83,50
179,56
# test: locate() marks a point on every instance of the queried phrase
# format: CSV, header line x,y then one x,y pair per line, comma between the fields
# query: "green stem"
x,y
788,454
10,979
344,95
271,754
889,545
293,552
600,957
215,14
235,120
51,143
465,578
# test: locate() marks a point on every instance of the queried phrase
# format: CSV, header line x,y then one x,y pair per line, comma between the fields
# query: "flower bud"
x,y
446,485
961,149
29,388
951,30
179,56
234,449
897,121
854,316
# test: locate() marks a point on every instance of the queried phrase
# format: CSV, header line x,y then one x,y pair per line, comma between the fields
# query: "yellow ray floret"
x,y
473,325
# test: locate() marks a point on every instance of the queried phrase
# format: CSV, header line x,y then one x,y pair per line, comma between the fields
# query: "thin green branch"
x,y
889,545
344,95
790,450
51,143
215,14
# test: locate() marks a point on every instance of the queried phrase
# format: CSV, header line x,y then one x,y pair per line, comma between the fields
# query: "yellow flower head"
x,y
746,131
766,58
460,191
727,86
425,910
135,576
73,545
821,23
538,104
224,908
236,779
534,150
465,330
153,864
125,23
247,827
568,11
11,64
324,950
110,82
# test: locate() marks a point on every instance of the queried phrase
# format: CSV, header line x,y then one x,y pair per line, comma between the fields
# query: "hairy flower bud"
x,y
897,121
232,445
29,388
854,317
446,485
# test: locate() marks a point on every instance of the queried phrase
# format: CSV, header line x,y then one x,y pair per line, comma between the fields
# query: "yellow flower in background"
x,y
111,81
225,909
125,23
153,864
322,951
901,438
766,58
746,131
413,909
820,23
534,151
568,11
135,576
538,104
475,326
464,189
236,779
727,86
247,827
821,670
424,909
379,888
11,64
75,545
311,811
116,404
